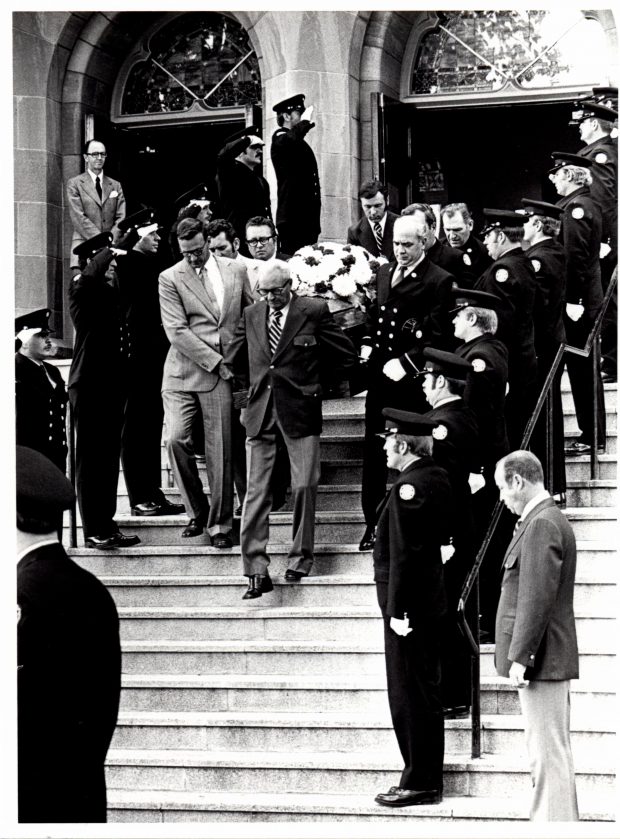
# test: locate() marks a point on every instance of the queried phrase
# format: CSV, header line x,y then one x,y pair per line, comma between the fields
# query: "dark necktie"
x,y
98,187
378,235
275,330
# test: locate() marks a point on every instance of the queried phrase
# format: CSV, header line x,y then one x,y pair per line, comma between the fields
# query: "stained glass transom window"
x,y
470,51
198,57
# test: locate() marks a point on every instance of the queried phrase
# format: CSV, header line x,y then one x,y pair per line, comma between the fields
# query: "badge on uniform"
x,y
578,213
501,275
479,365
536,265
466,259
406,492
601,157
440,432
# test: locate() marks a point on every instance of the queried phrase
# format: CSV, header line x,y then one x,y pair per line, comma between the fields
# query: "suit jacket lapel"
x,y
193,282
549,502
257,317
293,322
88,186
229,281
106,187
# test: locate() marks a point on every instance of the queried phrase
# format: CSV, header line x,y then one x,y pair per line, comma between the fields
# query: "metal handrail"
x,y
471,582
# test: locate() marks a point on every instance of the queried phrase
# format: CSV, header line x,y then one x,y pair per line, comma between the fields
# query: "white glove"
x,y
394,370
476,482
447,552
604,250
574,311
118,252
365,351
400,626
307,114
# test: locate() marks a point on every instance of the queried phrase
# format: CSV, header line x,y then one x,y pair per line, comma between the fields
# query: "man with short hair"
x,y
375,230
414,522
458,225
536,639
299,191
261,238
283,346
96,202
441,254
201,298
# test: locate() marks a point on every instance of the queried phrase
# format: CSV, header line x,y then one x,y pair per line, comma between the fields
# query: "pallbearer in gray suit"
x,y
535,636
282,347
201,299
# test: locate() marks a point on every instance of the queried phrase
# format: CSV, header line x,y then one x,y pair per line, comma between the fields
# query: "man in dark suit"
x,y
298,217
40,392
458,226
282,349
201,299
414,523
410,312
96,202
68,660
536,639
439,253
375,231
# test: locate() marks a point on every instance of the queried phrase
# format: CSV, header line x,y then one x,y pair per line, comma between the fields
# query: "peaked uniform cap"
x,y
293,103
91,246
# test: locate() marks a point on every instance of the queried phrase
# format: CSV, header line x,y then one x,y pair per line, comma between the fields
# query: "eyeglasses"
x,y
196,252
262,240
97,154
264,292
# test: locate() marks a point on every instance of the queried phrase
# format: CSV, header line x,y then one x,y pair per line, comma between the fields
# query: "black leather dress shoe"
x,y
115,540
293,576
397,797
258,585
221,540
194,528
156,508
456,712
368,539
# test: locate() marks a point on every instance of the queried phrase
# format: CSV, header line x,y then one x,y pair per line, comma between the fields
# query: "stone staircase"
x,y
276,709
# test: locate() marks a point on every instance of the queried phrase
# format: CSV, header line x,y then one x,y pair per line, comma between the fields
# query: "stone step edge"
x,y
592,807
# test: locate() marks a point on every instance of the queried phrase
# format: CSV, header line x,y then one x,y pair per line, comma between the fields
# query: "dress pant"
x,y
98,419
413,680
180,409
304,456
141,440
581,380
545,706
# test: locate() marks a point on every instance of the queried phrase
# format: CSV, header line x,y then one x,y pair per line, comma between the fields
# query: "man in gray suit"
x,y
96,202
535,635
201,298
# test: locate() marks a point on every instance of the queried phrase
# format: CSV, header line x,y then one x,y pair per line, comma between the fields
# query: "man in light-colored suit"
x,y
201,298
96,202
283,346
535,635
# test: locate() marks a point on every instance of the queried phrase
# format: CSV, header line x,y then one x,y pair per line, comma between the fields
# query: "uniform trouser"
x,y
520,399
581,377
180,408
304,455
556,477
141,440
413,680
455,651
609,332
545,706
98,419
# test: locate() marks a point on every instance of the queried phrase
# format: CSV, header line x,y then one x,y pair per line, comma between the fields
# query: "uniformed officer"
x,y
410,312
458,225
511,278
548,259
298,218
414,523
68,659
456,448
580,236
97,390
40,393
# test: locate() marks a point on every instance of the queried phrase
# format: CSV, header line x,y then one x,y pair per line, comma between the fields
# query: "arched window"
x,y
200,59
473,52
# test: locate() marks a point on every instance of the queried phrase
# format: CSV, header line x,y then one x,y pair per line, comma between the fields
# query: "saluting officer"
x,y
511,278
414,522
580,236
410,312
40,393
298,217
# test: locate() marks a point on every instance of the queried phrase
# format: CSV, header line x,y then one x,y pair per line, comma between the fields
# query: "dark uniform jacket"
x,y
362,234
311,346
40,409
242,191
412,526
549,263
299,190
485,393
69,673
475,261
535,623
580,236
604,188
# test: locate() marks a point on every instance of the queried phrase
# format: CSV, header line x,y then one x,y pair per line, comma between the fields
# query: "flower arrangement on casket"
x,y
344,275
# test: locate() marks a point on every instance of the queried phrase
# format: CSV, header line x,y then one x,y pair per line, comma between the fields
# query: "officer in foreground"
x,y
413,521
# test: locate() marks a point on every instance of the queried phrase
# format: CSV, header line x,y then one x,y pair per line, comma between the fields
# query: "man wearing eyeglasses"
x,y
96,202
282,348
201,299
262,240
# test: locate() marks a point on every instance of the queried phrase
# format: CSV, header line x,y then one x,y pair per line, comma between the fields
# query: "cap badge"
x,y
536,264
501,275
406,492
479,365
440,432
578,213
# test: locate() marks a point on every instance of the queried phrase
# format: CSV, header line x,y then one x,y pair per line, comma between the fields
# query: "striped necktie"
x,y
378,235
275,330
